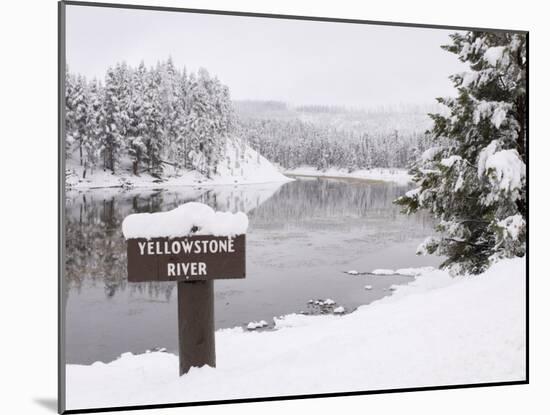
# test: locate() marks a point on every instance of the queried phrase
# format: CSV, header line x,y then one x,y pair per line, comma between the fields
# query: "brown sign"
x,y
193,258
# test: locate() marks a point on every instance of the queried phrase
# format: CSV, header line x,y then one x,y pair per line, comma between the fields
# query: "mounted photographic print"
x,y
257,206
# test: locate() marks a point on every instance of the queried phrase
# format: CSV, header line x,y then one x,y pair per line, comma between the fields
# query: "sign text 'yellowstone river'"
x,y
192,258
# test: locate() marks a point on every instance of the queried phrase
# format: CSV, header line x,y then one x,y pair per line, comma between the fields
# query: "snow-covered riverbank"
x,y
437,330
241,165
399,176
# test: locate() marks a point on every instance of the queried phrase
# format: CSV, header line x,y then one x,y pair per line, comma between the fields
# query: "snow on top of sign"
x,y
181,221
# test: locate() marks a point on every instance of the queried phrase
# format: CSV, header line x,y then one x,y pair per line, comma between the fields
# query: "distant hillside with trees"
x,y
324,136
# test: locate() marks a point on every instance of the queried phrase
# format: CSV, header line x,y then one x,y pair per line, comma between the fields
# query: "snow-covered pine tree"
x,y
81,114
70,113
112,138
198,124
365,149
474,180
94,126
124,79
137,128
222,114
116,104
180,122
211,138
169,97
79,121
154,121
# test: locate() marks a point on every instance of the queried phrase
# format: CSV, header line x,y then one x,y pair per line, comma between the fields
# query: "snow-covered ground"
x,y
399,176
437,330
255,169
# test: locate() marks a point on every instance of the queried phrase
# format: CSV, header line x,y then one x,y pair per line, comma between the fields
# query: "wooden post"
x,y
197,345
193,261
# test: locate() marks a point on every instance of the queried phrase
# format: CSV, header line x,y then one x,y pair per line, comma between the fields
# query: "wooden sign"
x,y
179,245
191,258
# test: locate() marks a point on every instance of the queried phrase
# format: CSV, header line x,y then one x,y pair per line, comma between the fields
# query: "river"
x,y
302,236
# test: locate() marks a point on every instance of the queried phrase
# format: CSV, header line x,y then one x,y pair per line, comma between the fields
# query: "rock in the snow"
x,y
339,310
253,325
413,272
368,287
352,272
329,301
382,271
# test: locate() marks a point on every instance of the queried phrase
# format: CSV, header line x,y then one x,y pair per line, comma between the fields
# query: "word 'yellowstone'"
x,y
186,246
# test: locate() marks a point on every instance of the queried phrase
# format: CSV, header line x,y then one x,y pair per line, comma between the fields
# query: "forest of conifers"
x,y
158,116
153,116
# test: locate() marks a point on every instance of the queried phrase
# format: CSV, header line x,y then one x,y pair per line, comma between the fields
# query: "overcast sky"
x,y
299,62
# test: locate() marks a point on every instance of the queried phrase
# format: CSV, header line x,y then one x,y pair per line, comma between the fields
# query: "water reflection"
x,y
318,203
95,246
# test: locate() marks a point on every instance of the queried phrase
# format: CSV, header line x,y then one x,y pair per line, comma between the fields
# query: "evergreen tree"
x,y
94,126
474,180
70,113
181,144
154,122
111,138
198,124
222,116
81,113
137,127
116,116
169,96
